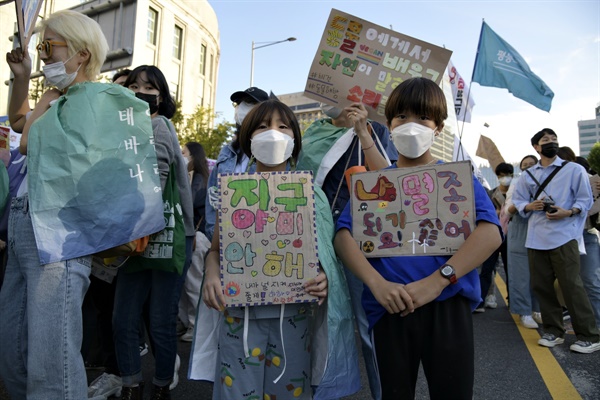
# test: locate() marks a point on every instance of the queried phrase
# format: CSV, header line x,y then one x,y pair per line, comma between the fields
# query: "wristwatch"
x,y
574,211
448,272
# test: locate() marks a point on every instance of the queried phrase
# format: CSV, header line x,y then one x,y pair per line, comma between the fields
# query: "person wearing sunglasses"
x,y
48,270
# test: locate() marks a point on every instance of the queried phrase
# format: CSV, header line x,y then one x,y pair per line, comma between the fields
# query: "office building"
x,y
589,133
180,37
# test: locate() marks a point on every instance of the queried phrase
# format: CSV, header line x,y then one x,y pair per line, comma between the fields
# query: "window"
x,y
588,141
212,62
174,90
177,42
587,134
203,59
587,127
152,26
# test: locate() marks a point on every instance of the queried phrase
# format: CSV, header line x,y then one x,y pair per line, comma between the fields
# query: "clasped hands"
x,y
405,299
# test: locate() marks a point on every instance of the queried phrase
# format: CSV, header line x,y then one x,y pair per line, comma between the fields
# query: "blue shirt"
x,y
407,269
570,188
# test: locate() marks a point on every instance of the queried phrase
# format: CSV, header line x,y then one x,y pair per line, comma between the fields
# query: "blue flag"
x,y
499,65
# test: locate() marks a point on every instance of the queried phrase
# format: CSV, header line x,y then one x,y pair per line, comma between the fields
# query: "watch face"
x,y
447,270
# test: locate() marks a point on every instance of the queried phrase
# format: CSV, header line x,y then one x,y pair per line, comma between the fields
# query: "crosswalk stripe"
x,y
558,383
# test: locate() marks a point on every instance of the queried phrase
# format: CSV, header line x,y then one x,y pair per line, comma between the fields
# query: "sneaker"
x,y
480,309
537,317
549,340
585,347
133,392
143,349
175,381
161,393
188,336
105,385
490,301
528,322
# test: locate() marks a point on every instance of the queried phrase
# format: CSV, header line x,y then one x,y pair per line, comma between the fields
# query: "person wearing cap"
x,y
231,158
331,146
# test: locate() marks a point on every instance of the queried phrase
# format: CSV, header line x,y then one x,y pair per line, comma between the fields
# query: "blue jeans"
x,y
590,272
355,287
133,290
40,318
522,301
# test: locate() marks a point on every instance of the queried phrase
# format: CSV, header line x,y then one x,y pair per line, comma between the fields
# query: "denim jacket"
x,y
226,162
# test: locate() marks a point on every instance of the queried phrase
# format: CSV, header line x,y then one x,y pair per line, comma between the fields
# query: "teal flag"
x,y
499,65
92,173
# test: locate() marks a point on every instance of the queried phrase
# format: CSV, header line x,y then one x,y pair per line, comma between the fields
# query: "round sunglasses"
x,y
46,46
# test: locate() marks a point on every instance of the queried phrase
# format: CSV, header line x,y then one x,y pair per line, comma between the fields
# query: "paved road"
x,y
508,365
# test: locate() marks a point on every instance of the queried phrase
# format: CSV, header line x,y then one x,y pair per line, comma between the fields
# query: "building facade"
x,y
306,110
589,133
179,37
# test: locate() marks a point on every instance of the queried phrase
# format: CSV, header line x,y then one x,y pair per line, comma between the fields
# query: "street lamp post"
x,y
263,44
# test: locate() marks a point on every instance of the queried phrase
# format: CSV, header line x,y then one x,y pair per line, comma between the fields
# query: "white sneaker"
x,y
105,385
537,317
581,346
490,301
528,322
188,336
175,381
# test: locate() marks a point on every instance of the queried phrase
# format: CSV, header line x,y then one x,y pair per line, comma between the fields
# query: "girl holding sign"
x,y
405,296
265,351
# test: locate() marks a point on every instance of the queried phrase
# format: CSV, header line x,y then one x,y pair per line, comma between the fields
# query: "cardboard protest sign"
x,y
268,237
427,210
4,137
27,13
360,62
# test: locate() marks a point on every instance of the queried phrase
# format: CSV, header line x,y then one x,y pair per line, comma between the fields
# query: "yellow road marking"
x,y
558,383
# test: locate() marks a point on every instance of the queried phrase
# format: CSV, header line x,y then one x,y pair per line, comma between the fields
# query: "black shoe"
x,y
161,393
133,392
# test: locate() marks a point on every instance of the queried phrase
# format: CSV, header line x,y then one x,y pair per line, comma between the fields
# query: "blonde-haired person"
x,y
40,303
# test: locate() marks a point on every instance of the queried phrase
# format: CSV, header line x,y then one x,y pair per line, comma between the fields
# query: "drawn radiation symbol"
x,y
368,246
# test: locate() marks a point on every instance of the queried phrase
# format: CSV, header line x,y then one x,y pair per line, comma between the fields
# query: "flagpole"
x,y
469,94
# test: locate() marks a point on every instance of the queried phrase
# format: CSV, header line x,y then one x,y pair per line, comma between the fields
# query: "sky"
x,y
560,41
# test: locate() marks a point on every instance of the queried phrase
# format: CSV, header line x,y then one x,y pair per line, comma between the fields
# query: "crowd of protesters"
x,y
542,225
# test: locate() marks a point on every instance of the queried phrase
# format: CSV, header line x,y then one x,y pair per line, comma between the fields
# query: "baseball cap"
x,y
253,93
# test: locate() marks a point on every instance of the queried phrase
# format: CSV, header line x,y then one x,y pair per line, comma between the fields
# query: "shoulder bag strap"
x,y
543,185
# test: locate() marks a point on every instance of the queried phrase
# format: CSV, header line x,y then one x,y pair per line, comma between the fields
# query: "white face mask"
x,y
505,180
272,147
412,140
331,111
241,111
56,74
187,159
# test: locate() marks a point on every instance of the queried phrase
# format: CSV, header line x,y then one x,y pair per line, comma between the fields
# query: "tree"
x,y
594,158
196,128
36,89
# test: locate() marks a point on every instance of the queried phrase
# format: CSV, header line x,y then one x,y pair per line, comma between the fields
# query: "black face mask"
x,y
549,149
150,99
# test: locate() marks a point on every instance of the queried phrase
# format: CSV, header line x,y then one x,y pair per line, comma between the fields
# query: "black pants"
x,y
440,335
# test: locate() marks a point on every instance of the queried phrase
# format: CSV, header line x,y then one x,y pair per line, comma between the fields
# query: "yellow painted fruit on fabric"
x,y
297,392
255,352
276,361
228,381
